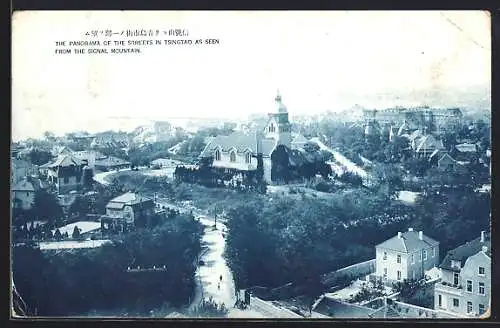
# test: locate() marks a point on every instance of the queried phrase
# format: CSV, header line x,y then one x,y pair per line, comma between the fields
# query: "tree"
x,y
88,178
39,157
46,206
49,136
57,235
76,233
209,308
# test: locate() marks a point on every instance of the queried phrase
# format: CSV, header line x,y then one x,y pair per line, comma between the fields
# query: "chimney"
x,y
399,234
421,235
410,229
482,236
485,249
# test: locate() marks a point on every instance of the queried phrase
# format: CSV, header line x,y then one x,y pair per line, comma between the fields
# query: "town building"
x,y
89,156
437,120
113,140
20,169
427,146
239,152
127,211
110,163
23,192
60,150
406,256
468,152
65,173
465,286
446,162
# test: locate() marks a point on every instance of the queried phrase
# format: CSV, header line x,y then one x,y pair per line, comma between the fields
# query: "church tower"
x,y
278,126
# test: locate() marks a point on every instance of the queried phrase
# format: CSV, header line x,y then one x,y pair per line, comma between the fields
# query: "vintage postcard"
x,y
257,164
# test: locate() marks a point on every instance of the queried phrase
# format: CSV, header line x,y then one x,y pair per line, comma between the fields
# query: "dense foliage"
x,y
45,207
275,242
39,157
209,309
75,282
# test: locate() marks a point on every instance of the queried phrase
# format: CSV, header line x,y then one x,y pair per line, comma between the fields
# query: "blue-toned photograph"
x,y
262,164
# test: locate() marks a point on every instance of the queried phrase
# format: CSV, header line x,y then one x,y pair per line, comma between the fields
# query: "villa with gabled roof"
x,y
65,173
465,286
406,256
126,211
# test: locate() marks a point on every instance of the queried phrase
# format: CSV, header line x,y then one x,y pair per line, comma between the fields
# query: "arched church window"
x,y
217,155
232,156
248,158
272,128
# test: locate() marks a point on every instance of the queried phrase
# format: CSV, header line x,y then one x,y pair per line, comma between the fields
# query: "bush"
x,y
209,308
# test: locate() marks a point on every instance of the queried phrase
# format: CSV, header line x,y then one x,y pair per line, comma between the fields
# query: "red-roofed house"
x,y
406,256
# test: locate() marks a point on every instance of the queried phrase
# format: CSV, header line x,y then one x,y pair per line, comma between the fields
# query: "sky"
x,y
318,60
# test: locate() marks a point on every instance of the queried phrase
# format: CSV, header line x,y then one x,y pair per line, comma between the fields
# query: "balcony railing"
x,y
449,288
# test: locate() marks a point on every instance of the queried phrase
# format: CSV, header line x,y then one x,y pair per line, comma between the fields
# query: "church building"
x,y
239,152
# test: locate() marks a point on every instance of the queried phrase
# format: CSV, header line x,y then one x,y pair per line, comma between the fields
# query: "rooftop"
x,y
466,148
129,198
86,153
338,309
239,140
464,251
64,161
111,161
408,242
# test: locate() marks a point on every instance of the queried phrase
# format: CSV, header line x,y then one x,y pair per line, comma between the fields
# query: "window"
x,y
412,259
481,271
456,302
272,128
66,179
385,255
385,272
481,309
399,258
455,264
440,300
433,252
424,252
469,307
217,155
481,288
248,158
421,256
455,278
469,286
232,156
413,275
399,275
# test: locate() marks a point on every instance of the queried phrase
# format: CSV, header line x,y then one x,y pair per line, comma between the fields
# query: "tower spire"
x,y
278,95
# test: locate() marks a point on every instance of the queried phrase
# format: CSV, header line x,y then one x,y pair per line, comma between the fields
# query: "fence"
x,y
350,272
413,311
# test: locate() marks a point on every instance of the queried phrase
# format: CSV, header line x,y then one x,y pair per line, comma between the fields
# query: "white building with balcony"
x,y
465,286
